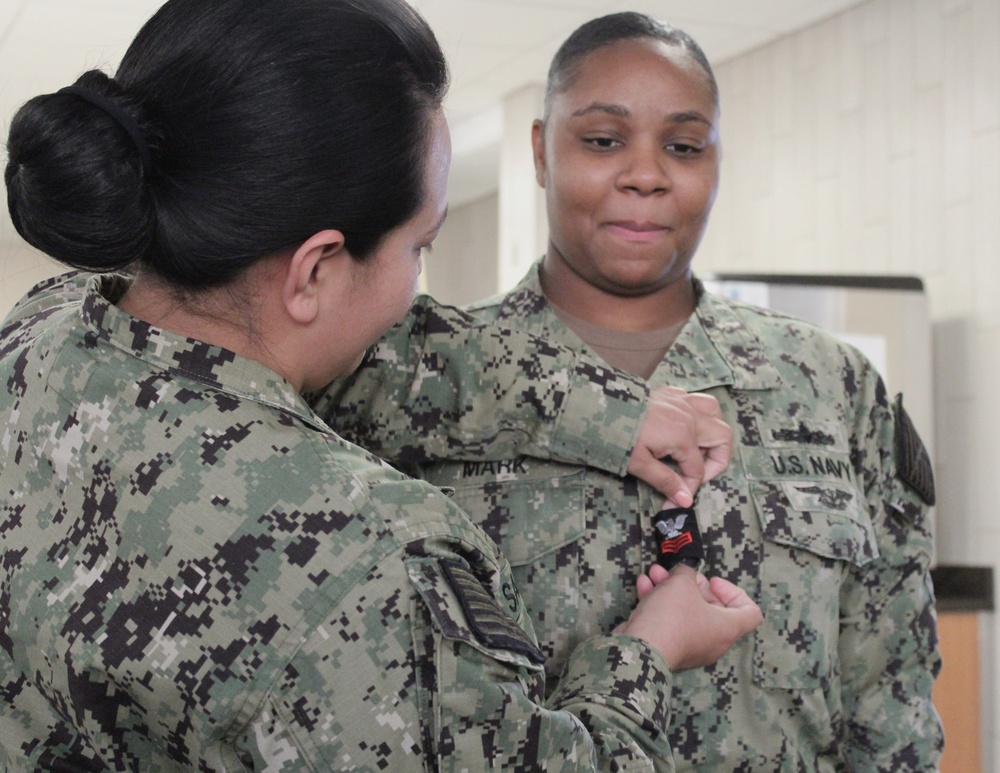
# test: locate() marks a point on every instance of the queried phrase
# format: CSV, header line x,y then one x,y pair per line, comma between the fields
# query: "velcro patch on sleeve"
x,y
913,463
487,620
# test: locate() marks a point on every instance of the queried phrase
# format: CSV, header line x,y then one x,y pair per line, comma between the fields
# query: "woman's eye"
x,y
683,149
602,143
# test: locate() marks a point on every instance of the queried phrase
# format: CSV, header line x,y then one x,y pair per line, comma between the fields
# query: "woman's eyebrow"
x,y
603,107
684,116
440,223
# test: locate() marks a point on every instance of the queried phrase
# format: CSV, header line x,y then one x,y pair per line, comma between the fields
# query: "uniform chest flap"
x,y
807,496
815,530
530,508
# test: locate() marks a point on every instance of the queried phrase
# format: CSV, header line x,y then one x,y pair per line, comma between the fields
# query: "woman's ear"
x,y
538,150
300,289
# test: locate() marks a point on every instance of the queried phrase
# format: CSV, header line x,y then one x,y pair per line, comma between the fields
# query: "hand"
x,y
657,574
689,429
691,620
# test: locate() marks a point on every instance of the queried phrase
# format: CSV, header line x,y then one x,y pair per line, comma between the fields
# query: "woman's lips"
x,y
641,233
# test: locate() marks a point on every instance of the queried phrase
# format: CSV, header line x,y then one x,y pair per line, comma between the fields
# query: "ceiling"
x,y
494,47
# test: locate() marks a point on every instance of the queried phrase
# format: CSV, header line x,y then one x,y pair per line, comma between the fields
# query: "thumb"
x,y
747,612
661,477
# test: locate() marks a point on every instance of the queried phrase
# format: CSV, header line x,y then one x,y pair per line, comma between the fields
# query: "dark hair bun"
x,y
76,187
232,129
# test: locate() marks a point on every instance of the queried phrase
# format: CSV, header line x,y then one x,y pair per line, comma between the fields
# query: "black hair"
x,y
614,28
265,122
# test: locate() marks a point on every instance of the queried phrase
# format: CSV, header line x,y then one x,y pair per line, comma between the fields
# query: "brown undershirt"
x,y
637,353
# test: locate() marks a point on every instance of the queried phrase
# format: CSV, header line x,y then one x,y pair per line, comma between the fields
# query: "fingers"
x,y
715,437
687,428
704,586
663,478
690,469
691,620
717,459
744,619
730,595
644,586
744,611
658,574
704,404
647,582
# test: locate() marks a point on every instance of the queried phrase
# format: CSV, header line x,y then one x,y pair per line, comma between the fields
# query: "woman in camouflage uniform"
x,y
198,574
821,515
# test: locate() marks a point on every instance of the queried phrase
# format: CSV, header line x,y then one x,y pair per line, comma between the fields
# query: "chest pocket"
x,y
815,528
530,516
537,517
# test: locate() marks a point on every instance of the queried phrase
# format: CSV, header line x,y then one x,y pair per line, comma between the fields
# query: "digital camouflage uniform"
x,y
821,517
199,575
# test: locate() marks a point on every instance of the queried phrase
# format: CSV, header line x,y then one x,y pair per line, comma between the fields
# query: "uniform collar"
x,y
717,333
527,306
213,366
714,348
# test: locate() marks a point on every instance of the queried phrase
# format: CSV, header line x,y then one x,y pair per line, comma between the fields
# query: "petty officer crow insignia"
x,y
678,540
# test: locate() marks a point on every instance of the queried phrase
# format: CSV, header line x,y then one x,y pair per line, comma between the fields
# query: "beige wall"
x,y
20,268
462,265
871,143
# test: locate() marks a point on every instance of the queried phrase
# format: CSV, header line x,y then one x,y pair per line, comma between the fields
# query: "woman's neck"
x,y
659,308
212,316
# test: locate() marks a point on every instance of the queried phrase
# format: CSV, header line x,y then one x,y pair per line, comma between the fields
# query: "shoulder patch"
x,y
913,464
486,619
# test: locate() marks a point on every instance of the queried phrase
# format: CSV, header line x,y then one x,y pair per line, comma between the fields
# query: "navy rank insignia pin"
x,y
678,540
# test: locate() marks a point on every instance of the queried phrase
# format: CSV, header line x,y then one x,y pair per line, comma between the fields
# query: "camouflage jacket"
x,y
199,575
821,518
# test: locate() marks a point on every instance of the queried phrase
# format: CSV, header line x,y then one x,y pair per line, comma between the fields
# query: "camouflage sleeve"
x,y
438,677
617,685
445,385
888,647
41,300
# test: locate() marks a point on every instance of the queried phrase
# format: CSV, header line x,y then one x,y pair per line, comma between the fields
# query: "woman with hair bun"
x,y
198,573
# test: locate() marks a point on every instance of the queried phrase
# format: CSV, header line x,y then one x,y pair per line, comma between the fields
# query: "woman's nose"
x,y
646,172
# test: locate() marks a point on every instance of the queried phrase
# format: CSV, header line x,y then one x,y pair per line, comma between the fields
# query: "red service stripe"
x,y
674,545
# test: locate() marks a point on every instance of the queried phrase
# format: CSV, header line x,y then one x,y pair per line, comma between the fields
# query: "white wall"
x,y
462,264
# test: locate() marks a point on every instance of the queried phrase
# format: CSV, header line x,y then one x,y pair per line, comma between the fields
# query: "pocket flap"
x,y
528,518
826,518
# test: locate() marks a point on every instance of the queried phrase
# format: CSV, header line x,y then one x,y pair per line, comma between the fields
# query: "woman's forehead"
x,y
617,67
